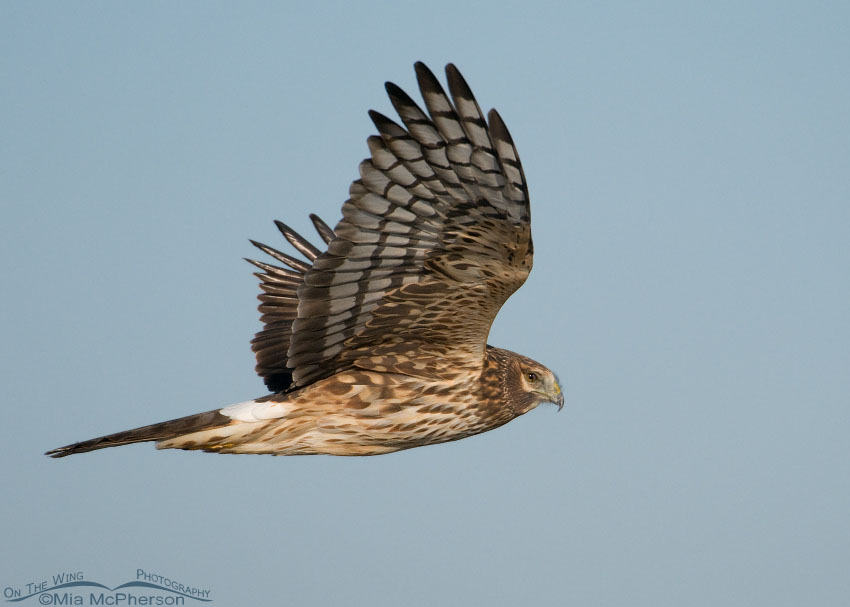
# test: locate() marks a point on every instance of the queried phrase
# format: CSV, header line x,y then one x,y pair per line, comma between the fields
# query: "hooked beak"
x,y
557,396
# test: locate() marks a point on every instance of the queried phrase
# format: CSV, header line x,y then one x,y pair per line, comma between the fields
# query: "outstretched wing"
x,y
434,239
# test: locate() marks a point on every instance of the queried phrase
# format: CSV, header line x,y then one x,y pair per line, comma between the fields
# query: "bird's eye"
x,y
531,376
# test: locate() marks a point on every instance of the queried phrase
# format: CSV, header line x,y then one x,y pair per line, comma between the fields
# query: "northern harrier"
x,y
380,342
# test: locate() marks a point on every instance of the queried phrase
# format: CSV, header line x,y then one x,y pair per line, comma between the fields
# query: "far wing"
x,y
279,303
434,239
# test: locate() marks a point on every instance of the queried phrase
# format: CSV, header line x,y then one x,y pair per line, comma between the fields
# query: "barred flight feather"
x,y
418,197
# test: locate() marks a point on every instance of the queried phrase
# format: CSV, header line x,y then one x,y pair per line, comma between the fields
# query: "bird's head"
x,y
527,383
540,385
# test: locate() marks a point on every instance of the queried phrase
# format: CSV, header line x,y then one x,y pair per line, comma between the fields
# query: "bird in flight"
x,y
379,343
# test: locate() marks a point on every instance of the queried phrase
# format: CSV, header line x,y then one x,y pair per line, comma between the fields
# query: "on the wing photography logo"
x,y
72,588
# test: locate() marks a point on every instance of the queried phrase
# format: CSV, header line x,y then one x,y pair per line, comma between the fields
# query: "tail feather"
x,y
155,432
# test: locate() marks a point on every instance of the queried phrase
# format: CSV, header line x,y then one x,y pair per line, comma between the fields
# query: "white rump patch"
x,y
252,411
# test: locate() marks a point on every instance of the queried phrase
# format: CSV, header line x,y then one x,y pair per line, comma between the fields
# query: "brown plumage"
x,y
379,343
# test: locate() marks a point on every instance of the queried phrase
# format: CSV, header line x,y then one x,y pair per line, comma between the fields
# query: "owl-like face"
x,y
532,384
542,384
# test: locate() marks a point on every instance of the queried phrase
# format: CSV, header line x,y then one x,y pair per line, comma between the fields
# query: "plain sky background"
x,y
689,168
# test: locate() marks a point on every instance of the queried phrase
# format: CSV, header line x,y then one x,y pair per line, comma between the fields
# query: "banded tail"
x,y
174,428
279,308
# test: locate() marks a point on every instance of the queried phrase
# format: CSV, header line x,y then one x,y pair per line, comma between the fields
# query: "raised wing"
x,y
434,239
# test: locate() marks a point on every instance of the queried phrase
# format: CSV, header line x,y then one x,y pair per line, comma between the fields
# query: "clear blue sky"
x,y
689,167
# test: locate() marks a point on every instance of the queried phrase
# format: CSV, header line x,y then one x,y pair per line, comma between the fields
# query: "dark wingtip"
x,y
301,244
423,72
498,128
377,117
292,262
458,86
382,122
324,230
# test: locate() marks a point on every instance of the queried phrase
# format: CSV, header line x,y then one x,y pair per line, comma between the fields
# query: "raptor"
x,y
379,342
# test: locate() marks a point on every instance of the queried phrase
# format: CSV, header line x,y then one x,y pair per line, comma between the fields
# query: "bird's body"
x,y
358,413
379,343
